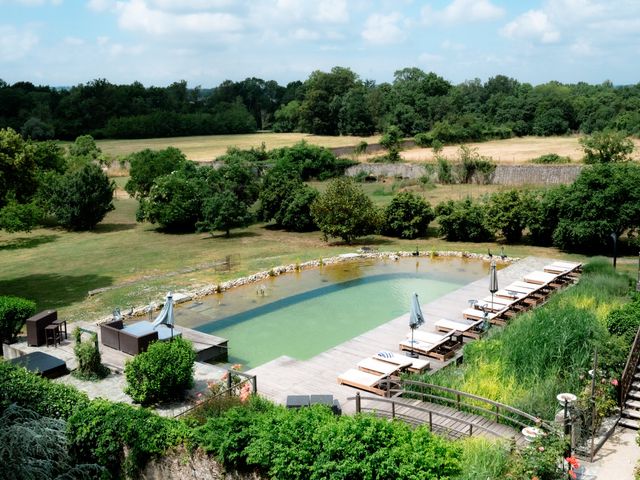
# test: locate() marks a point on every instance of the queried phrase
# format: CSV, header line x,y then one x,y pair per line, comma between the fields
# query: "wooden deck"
x,y
318,375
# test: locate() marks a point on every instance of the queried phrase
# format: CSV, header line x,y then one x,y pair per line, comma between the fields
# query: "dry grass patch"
x,y
206,148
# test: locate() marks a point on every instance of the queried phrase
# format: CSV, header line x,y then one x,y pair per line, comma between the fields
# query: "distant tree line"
x,y
338,102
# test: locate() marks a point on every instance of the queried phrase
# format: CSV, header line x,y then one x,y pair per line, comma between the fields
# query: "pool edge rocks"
x,y
188,295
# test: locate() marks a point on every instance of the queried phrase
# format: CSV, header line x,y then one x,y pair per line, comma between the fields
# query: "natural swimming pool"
x,y
306,313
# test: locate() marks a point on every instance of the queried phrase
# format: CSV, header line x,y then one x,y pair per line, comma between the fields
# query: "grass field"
x,y
514,150
206,148
58,268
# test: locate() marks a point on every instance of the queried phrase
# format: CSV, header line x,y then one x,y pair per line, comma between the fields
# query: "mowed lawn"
x,y
57,269
207,148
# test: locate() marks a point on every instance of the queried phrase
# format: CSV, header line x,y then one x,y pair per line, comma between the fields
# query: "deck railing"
x,y
456,399
629,370
395,414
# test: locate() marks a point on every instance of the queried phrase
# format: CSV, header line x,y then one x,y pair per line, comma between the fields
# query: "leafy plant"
x,y
551,158
88,356
147,165
607,146
407,216
463,221
14,312
120,437
345,211
31,391
164,372
507,212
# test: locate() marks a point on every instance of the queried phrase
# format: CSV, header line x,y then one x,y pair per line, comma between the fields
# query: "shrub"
x,y
423,140
543,215
14,312
90,365
472,166
345,211
147,165
161,373
102,431
31,391
445,171
313,444
407,216
550,158
309,161
392,141
79,200
607,146
463,221
625,321
507,211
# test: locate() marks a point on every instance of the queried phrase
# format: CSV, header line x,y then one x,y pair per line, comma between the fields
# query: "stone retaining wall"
x,y
503,175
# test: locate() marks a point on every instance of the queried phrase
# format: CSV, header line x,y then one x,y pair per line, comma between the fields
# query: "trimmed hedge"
x,y
30,391
14,312
161,373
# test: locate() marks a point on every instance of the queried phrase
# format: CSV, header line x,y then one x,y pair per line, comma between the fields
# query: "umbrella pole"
x,y
491,302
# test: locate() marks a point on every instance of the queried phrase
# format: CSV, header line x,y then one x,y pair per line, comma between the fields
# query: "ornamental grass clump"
x,y
545,351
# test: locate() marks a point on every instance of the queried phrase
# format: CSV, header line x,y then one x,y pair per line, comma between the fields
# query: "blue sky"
x,y
157,42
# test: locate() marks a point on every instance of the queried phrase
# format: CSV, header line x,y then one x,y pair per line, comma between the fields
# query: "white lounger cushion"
x,y
428,337
359,379
375,366
562,267
508,293
475,314
455,325
539,277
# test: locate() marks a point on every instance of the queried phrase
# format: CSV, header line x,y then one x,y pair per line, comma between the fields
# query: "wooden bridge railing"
x,y
423,409
455,399
629,370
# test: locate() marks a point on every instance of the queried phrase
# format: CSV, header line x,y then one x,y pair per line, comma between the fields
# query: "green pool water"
x,y
301,315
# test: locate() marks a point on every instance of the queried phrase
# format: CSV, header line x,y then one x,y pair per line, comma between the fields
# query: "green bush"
x,y
551,158
472,166
313,444
14,312
507,212
309,161
102,430
87,353
625,321
464,221
31,391
147,165
407,216
164,372
445,171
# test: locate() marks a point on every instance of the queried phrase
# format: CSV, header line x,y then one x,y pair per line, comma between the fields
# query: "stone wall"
x,y
503,175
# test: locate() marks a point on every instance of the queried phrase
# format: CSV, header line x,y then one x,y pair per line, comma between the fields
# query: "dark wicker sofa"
x,y
113,336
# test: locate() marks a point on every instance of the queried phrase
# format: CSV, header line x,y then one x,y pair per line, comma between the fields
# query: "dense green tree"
x,y
36,129
354,116
277,185
463,220
407,216
606,147
17,168
507,212
604,199
345,211
49,156
174,201
147,165
224,211
309,161
239,176
79,200
287,117
543,214
295,216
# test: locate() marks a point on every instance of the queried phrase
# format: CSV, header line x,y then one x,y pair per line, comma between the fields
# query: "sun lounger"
x,y
511,294
443,347
560,267
427,337
416,365
467,329
378,367
362,380
474,314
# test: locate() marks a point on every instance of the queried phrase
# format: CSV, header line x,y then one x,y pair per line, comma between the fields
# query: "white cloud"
x,y
454,46
14,43
135,15
332,11
582,47
305,34
429,58
382,29
532,25
462,11
73,41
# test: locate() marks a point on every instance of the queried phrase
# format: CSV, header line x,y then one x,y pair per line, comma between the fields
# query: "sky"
x,y
157,42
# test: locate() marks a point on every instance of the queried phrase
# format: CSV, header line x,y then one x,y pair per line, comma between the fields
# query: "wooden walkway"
x,y
287,376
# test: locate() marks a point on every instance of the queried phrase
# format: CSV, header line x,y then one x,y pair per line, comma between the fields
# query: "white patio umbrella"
x,y
493,281
415,320
165,317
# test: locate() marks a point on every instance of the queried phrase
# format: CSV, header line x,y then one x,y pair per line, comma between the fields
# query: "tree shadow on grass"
x,y
232,235
28,242
362,242
113,227
54,291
